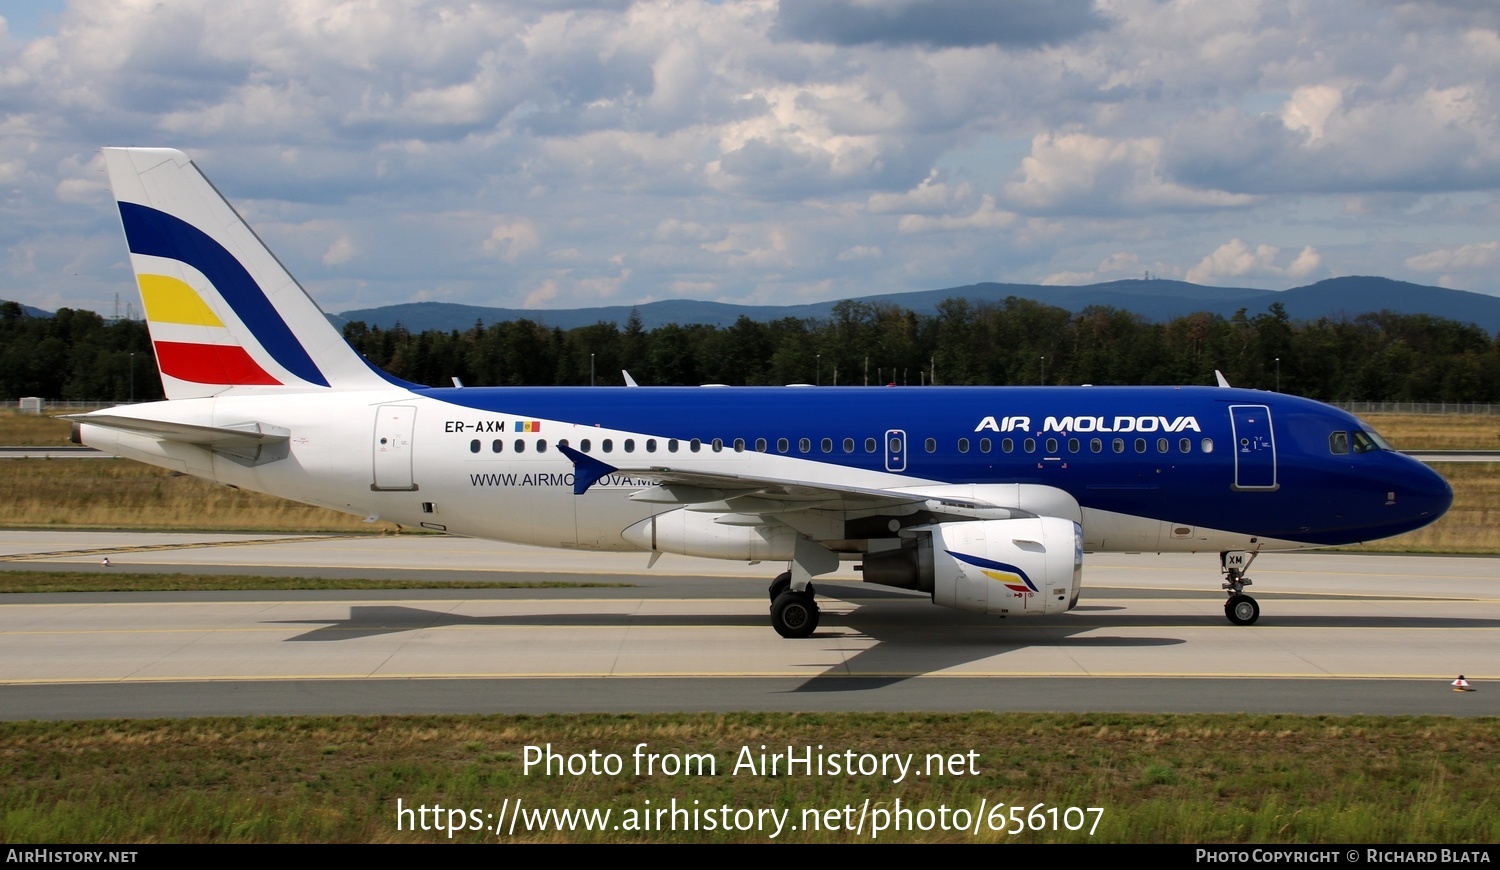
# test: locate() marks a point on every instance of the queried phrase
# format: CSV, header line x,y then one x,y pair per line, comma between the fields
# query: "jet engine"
x,y
1030,565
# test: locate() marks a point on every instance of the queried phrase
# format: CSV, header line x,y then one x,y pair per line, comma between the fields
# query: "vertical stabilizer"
x,y
224,314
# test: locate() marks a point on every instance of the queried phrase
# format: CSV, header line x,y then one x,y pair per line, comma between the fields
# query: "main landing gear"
x,y
793,614
1241,609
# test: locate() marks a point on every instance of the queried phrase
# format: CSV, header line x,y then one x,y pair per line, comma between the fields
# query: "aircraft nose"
x,y
1426,493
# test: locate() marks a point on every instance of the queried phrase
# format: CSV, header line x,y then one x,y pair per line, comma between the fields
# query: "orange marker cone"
x,y
1462,685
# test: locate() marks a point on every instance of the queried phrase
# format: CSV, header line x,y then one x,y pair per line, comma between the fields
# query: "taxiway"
x,y
1339,633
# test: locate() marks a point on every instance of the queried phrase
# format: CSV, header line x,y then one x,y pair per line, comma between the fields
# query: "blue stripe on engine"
x,y
158,234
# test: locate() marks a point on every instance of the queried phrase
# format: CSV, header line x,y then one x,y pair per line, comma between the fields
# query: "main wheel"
x,y
782,583
1242,610
794,614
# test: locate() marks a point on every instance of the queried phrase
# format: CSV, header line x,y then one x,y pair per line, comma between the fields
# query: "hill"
x,y
1155,300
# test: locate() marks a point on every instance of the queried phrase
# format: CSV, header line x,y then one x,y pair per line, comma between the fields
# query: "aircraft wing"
x,y
753,495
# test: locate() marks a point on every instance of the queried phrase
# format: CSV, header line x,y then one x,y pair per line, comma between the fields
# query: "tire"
x,y
782,583
1242,610
794,615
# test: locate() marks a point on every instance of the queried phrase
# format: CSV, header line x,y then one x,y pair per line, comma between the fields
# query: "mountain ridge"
x,y
1155,299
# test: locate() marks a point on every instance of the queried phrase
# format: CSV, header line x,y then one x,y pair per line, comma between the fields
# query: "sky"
x,y
553,154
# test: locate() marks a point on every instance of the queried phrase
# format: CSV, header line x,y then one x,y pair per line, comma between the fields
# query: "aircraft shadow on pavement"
x,y
906,630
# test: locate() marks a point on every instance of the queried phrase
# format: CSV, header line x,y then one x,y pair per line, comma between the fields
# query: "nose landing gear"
x,y
1241,609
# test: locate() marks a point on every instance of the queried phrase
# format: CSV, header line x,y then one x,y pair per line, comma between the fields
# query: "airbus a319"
x,y
984,498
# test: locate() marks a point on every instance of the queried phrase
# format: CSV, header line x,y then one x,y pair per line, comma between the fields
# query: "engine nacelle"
x,y
1018,566
690,533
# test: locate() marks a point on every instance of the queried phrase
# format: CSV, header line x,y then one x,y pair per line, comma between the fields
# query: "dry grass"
x,y
1438,431
32,430
1158,778
114,494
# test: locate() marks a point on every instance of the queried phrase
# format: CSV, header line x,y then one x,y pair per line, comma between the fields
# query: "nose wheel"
x,y
1240,609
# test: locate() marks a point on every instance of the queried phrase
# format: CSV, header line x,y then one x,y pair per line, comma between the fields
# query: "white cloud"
x,y
340,252
389,148
1077,172
1236,259
511,239
1463,258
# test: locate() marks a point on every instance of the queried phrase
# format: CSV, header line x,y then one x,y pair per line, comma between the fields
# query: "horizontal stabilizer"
x,y
248,434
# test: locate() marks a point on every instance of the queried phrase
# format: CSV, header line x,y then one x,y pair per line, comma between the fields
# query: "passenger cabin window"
x,y
871,445
541,446
827,445
474,446
1096,445
984,445
695,445
1030,445
848,445
671,445
521,446
1051,446
783,445
608,446
963,445
629,445
760,445
650,445
718,444
1207,444
583,445
1119,445
930,445
739,445
1007,444
804,445
497,445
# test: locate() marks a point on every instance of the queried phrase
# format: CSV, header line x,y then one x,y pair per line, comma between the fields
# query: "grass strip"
x,y
111,581
1159,778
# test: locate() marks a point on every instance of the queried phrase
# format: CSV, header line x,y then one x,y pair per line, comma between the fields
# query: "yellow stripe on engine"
x,y
169,300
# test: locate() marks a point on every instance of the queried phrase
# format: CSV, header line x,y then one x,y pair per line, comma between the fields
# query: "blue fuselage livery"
x,y
984,498
1170,454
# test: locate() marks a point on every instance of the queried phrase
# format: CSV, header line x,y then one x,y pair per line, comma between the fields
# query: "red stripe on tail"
x,y
211,364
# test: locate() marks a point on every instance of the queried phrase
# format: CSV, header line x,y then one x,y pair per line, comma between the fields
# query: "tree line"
x,y
1372,357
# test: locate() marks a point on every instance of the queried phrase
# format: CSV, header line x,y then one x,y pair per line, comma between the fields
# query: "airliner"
x,y
984,498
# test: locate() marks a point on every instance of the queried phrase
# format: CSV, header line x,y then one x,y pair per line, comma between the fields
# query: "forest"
x,y
78,355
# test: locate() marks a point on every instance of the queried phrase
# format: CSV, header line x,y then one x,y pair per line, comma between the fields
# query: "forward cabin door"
x,y
393,433
1254,448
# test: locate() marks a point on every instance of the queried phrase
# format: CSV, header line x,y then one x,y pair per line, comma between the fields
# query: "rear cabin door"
x,y
393,433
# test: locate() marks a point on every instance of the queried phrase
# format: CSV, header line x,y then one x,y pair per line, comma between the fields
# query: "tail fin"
x,y
224,314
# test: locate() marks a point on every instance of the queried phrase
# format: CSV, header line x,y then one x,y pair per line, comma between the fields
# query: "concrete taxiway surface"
x,y
1338,634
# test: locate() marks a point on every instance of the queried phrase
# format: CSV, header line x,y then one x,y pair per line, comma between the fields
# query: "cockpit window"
x,y
1367,440
1338,443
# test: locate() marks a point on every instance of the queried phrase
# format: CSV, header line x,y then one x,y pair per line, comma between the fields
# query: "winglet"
x,y
586,469
629,381
1223,381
